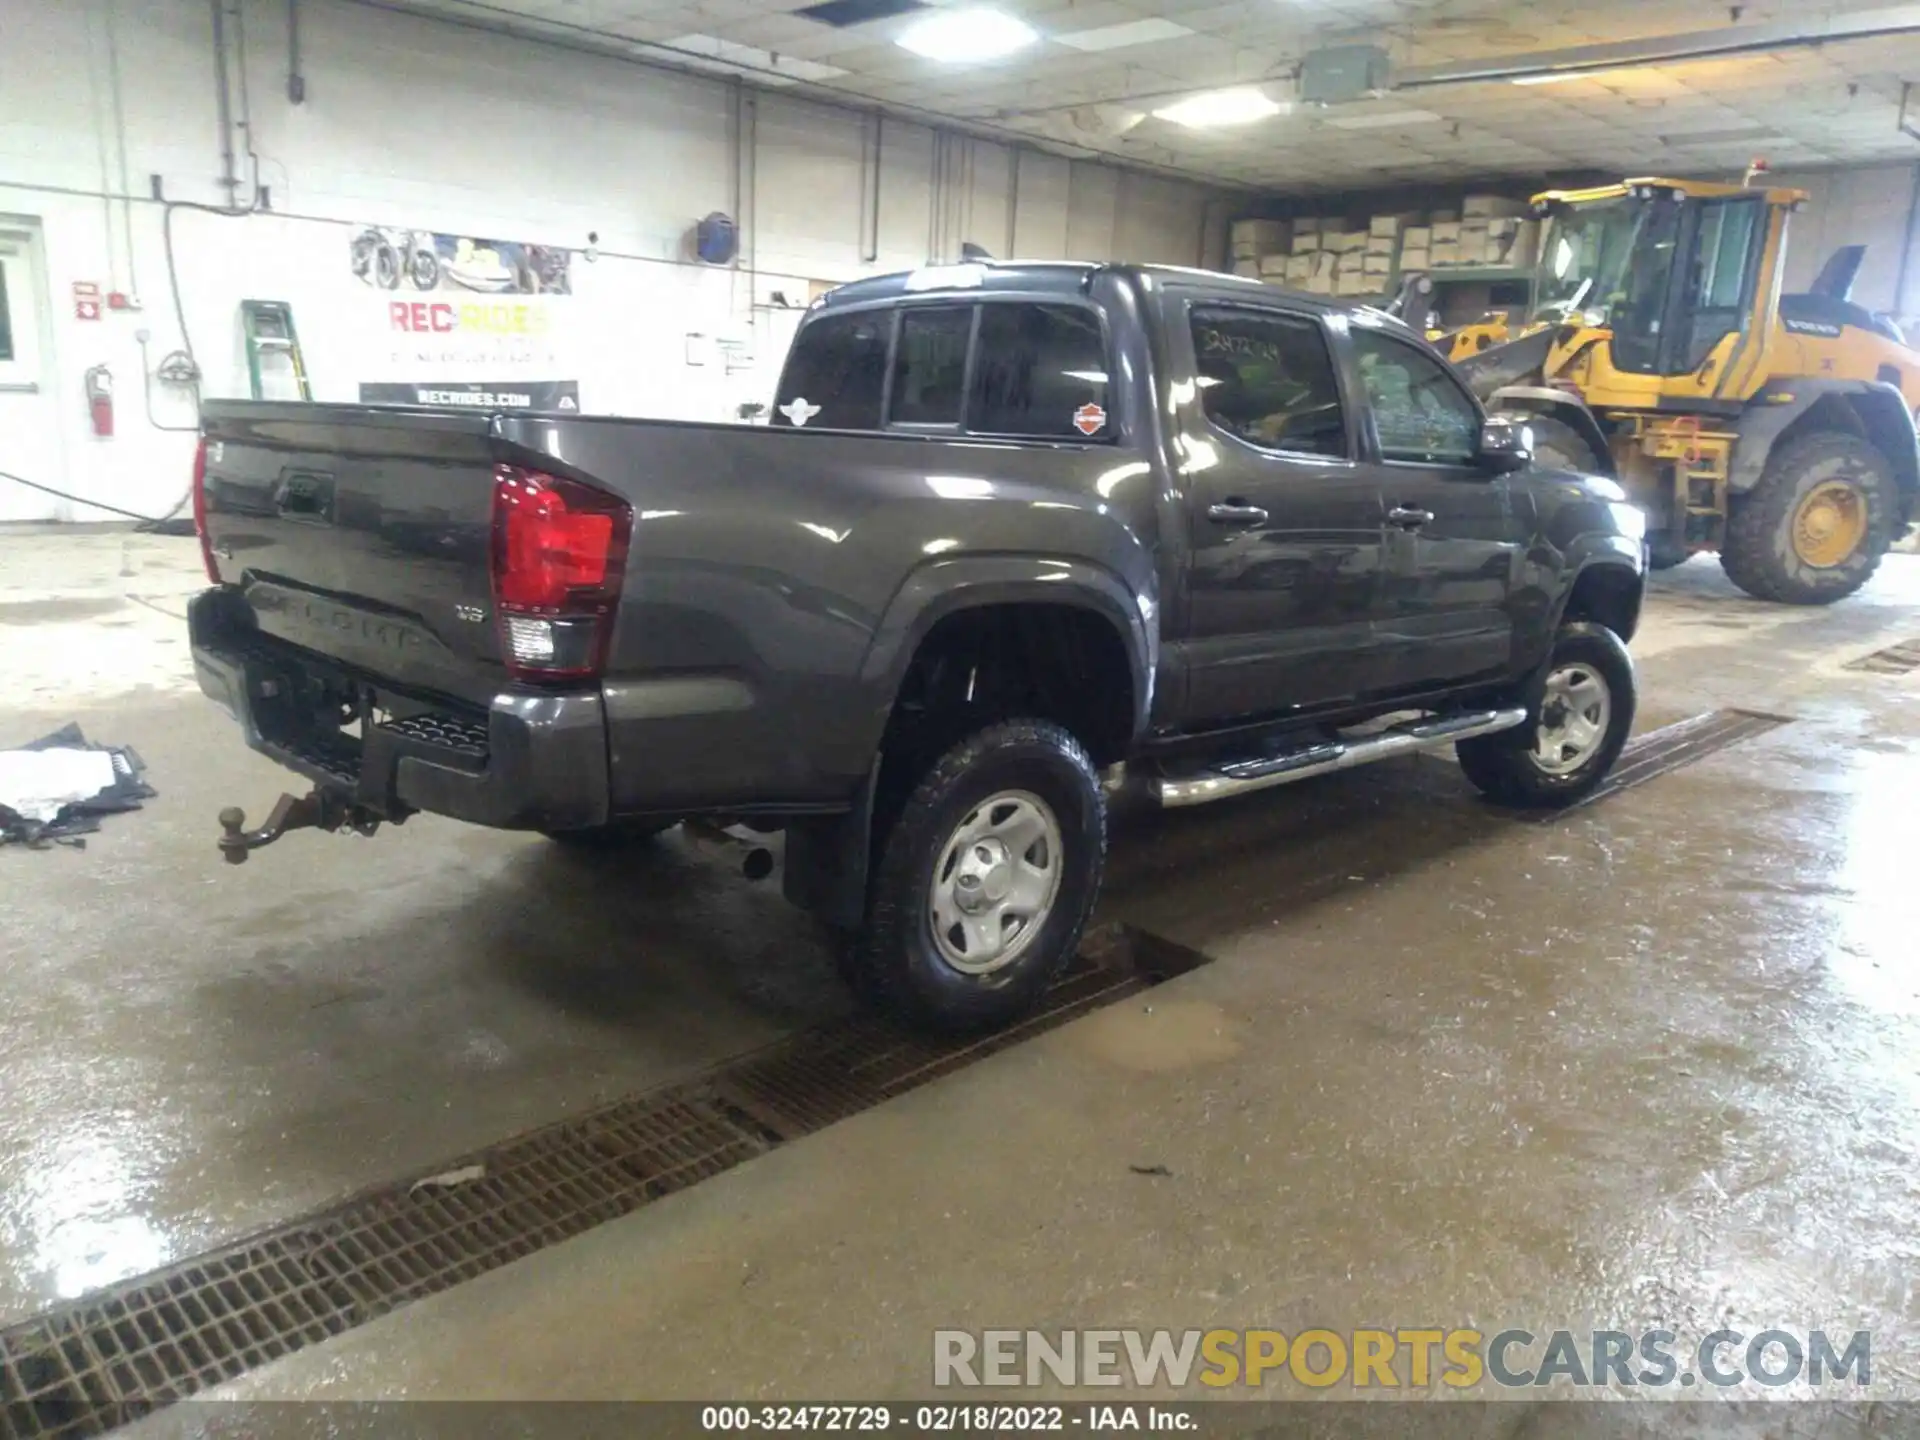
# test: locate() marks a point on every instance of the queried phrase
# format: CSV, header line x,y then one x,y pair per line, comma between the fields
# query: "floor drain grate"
x,y
1672,747
1898,659
104,1360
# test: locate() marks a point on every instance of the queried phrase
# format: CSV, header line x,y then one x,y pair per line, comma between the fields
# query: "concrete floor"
x,y
1657,1063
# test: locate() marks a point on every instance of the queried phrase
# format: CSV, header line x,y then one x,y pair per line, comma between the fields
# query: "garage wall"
x,y
417,124
1865,206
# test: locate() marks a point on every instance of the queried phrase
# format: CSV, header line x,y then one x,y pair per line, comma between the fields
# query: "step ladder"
x,y
275,366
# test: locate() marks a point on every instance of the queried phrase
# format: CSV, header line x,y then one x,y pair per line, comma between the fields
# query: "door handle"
x,y
1409,518
1236,512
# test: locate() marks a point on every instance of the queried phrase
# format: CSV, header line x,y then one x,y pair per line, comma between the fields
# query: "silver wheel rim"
x,y
994,882
1574,715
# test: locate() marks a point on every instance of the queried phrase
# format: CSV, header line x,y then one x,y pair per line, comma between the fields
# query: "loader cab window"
x,y
1717,285
1639,305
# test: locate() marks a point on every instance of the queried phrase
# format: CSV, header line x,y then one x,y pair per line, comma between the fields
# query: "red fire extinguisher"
x,y
100,399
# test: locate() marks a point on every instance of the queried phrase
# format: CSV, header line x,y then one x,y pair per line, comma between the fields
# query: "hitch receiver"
x,y
319,810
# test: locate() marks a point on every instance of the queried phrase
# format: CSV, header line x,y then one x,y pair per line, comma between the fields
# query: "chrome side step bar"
x,y
1242,777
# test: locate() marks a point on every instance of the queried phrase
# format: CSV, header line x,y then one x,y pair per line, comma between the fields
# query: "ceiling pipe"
x,y
1668,49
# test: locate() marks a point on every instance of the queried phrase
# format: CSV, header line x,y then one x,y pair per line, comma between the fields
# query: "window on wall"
x,y
1040,371
1420,411
6,318
930,366
837,373
1267,378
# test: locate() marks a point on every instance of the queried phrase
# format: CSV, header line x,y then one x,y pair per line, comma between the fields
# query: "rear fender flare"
x,y
828,858
946,587
1873,409
1558,405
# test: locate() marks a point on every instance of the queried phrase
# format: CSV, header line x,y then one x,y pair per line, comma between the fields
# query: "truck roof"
x,y
1058,277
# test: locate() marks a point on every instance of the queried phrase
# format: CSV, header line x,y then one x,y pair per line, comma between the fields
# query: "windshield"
x,y
1583,259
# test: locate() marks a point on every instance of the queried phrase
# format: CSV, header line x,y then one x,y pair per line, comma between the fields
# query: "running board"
x,y
1242,777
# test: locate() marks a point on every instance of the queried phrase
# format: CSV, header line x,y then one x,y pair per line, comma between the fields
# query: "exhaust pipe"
x,y
754,861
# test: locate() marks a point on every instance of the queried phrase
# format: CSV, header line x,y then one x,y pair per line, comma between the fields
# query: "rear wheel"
x,y
985,881
1579,712
1815,526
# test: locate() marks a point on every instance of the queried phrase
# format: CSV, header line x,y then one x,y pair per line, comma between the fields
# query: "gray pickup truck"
x,y
1012,526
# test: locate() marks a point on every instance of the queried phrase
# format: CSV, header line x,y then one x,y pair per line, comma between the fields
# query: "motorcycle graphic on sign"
x,y
392,259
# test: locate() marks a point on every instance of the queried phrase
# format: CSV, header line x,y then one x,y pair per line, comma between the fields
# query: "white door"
x,y
29,430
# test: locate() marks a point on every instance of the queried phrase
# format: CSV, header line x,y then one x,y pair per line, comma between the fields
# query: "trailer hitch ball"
x,y
318,810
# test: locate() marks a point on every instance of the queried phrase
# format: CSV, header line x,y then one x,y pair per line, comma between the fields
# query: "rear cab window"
x,y
1014,369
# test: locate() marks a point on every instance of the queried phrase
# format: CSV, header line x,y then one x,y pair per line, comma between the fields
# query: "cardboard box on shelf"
x,y
1444,217
1383,244
1359,283
1299,269
1306,242
1512,242
1248,268
1473,242
1445,253
1343,242
1392,225
1416,237
1263,234
1319,285
1412,258
1378,265
1444,231
1274,264
1489,207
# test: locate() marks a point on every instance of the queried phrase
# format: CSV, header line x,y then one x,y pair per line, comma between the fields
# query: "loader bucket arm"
x,y
1513,363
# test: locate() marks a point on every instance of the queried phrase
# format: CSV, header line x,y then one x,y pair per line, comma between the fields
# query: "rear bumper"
x,y
528,761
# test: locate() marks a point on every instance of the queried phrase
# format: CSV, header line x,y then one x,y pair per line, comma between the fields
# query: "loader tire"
x,y
1814,527
1558,446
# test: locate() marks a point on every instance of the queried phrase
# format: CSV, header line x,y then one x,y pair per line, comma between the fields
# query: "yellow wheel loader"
x,y
1775,429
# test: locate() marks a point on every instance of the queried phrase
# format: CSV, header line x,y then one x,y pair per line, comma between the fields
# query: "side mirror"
x,y
1506,445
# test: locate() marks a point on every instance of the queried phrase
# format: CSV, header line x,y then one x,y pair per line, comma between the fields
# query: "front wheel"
x,y
1579,711
985,881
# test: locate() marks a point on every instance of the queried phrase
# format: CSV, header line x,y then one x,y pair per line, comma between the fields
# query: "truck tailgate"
x,y
361,534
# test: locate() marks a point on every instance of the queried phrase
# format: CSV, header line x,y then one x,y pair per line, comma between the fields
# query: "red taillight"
x,y
559,552
200,510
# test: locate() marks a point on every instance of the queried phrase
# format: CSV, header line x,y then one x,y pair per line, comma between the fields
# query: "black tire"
x,y
1759,553
1558,446
1507,765
898,962
617,836
423,268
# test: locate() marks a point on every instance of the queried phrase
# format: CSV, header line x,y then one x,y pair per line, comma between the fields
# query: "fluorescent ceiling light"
x,y
1116,37
1388,120
965,36
1238,106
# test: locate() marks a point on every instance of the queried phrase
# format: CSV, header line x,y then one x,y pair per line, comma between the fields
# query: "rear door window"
x,y
1267,378
930,365
1040,371
836,376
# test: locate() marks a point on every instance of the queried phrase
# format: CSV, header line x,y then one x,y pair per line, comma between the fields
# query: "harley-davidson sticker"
x,y
1089,418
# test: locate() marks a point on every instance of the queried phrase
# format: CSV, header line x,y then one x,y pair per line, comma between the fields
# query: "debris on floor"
x,y
57,788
